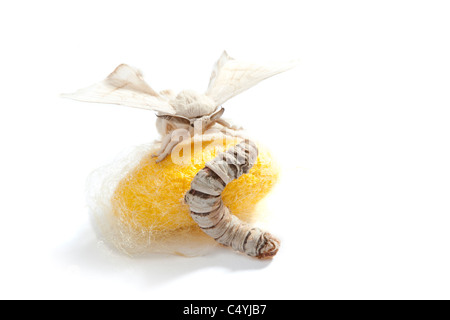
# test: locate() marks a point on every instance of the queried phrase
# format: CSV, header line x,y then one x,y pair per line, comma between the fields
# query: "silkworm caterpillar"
x,y
213,217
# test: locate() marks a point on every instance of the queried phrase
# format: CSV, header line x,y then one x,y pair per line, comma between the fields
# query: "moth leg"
x,y
175,138
165,141
233,133
229,125
209,136
167,150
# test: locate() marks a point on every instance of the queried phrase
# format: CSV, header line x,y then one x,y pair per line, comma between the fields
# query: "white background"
x,y
361,128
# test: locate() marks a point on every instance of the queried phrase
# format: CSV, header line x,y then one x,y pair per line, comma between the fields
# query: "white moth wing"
x,y
124,86
231,77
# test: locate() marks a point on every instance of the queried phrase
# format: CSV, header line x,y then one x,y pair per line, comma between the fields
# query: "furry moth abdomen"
x,y
213,217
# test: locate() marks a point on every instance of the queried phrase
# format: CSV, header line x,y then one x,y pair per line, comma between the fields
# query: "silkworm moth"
x,y
188,110
213,217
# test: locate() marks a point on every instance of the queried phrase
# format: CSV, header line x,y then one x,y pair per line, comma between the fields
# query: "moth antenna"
x,y
174,118
217,114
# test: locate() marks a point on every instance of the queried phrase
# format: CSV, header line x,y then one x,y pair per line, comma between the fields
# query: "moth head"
x,y
203,122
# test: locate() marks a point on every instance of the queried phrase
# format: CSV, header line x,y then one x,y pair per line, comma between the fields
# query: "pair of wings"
x,y
126,86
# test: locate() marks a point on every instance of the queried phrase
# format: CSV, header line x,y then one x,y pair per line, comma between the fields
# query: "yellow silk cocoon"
x,y
147,206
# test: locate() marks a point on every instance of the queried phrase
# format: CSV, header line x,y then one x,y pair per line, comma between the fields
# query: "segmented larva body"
x,y
213,217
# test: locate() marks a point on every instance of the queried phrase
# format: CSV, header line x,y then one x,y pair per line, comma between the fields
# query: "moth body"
x,y
190,104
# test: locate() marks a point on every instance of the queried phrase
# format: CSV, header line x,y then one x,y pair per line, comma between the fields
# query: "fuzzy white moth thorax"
x,y
191,104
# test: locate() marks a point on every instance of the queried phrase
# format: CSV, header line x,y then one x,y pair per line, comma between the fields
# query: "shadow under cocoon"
x,y
85,252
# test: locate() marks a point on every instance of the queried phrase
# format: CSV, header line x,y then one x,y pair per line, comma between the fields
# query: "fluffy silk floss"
x,y
200,183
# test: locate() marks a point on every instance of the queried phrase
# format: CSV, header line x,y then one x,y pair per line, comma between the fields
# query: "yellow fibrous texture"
x,y
150,197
